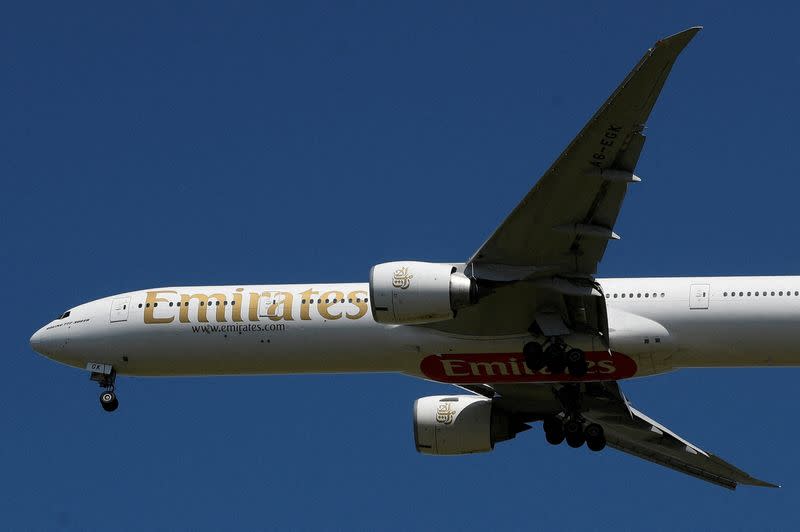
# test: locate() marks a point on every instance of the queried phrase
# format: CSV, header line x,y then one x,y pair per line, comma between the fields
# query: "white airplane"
x,y
523,325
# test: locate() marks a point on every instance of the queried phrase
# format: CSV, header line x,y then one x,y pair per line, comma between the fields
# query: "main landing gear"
x,y
569,424
575,431
556,356
105,377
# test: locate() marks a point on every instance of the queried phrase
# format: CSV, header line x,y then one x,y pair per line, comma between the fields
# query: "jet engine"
x,y
418,292
461,424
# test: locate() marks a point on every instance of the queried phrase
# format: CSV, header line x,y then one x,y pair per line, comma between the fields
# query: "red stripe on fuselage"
x,y
510,367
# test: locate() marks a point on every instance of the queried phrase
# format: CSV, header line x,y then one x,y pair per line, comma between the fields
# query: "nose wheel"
x,y
108,400
105,375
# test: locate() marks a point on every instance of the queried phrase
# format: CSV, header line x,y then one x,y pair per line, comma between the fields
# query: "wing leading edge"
x,y
563,224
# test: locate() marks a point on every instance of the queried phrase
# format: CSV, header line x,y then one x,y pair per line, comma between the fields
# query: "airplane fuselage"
x,y
655,325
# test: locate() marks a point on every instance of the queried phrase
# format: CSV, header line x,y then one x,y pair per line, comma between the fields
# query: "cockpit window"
x,y
65,315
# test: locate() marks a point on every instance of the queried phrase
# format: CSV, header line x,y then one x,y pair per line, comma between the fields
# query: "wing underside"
x,y
626,429
539,263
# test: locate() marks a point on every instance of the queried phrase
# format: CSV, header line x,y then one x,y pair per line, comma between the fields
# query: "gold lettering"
x,y
305,303
357,297
150,305
282,300
326,301
254,296
451,368
202,307
488,368
236,305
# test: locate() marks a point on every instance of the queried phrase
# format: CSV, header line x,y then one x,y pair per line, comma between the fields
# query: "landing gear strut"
x,y
557,357
105,377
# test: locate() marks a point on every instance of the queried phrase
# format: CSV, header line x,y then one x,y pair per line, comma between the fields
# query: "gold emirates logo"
x,y
163,306
445,413
401,278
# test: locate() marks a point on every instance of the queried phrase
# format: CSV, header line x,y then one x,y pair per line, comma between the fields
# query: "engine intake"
x,y
418,292
461,424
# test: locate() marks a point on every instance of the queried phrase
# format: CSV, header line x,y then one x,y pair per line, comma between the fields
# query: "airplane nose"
x,y
37,340
42,343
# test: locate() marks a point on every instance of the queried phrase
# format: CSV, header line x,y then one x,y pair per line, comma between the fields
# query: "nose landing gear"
x,y
105,375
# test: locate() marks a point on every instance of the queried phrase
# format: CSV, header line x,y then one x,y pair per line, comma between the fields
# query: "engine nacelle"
x,y
418,292
461,424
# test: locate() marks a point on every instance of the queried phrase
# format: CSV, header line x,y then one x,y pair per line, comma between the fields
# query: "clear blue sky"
x,y
146,144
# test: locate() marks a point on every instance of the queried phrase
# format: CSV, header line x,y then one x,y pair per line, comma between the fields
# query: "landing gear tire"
x,y
556,361
553,430
576,362
534,356
573,432
595,437
108,400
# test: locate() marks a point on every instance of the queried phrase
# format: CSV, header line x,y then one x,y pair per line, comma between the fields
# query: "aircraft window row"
x,y
335,300
762,293
637,295
186,304
211,303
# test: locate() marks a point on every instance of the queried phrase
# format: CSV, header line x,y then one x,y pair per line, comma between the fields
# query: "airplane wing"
x,y
626,429
562,226
556,236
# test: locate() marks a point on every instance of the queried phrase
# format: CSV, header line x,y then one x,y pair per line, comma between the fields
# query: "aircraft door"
x,y
119,309
699,295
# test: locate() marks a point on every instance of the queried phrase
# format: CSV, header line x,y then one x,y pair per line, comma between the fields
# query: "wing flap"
x,y
645,438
